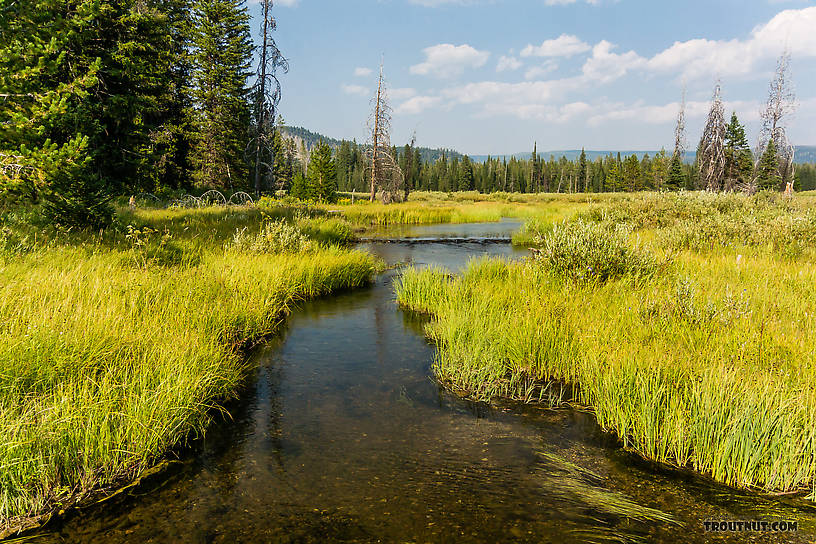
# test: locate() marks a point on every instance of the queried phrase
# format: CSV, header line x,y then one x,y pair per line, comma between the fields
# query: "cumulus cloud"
x,y
703,58
508,63
564,45
448,60
606,66
536,72
362,72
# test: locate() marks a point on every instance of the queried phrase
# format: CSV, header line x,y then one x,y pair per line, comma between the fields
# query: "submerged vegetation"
x,y
117,347
707,363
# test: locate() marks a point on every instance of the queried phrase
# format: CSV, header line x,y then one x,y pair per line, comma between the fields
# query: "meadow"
x,y
117,347
685,323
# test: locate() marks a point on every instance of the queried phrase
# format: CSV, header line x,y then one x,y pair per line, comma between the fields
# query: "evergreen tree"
x,y
738,157
631,173
613,178
466,181
767,173
582,170
220,119
301,189
322,173
676,179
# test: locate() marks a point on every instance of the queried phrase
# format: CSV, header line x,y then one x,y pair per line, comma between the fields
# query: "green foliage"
x,y
322,174
676,179
274,237
222,50
110,359
767,173
739,162
590,252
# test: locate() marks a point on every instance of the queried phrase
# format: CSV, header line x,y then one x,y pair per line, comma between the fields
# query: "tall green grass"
x,y
113,353
709,364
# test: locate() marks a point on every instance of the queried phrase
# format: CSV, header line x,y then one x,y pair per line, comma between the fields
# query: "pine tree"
x,y
220,118
738,157
768,177
322,174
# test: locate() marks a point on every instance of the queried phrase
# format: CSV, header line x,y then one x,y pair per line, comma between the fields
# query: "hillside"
x,y
310,139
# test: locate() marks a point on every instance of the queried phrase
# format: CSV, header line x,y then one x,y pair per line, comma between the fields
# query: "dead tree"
x,y
711,151
780,106
267,95
386,174
680,129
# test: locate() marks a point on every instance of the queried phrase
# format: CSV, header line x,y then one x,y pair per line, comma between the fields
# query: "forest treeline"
x,y
612,173
102,98
109,97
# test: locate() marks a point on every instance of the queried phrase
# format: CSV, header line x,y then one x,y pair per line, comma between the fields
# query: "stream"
x,y
343,436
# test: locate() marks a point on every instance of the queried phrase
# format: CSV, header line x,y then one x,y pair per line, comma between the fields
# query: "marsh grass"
x,y
116,347
708,365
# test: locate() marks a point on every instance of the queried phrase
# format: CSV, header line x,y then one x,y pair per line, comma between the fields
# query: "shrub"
x,y
591,252
274,237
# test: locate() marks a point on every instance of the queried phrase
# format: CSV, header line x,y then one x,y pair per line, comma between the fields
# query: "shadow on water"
x,y
343,436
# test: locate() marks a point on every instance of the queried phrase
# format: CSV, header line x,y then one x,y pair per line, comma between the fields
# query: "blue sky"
x,y
493,76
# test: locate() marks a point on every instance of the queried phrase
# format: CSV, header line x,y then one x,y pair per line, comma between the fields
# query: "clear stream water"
x,y
343,436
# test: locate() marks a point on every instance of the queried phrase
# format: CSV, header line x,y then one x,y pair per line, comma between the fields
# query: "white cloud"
x,y
564,45
358,90
287,3
417,104
536,72
448,60
606,66
697,58
508,63
362,72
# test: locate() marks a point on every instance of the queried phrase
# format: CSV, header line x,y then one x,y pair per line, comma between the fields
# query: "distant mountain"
x,y
804,153
310,139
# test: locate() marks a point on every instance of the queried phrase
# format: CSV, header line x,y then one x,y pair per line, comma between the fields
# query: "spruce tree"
x,y
322,173
582,170
466,179
738,156
767,173
676,179
220,119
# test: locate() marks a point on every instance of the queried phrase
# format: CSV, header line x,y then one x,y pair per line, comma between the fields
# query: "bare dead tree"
x,y
386,174
267,95
779,107
680,128
711,151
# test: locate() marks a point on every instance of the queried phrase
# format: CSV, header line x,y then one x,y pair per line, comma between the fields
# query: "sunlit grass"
x,y
116,348
709,364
